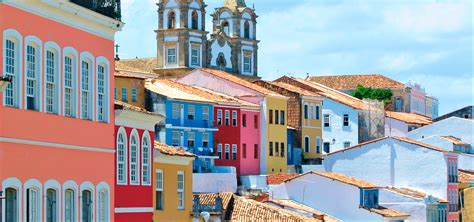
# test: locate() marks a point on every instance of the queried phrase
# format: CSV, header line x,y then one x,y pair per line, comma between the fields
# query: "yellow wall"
x,y
276,133
468,211
170,210
129,83
311,128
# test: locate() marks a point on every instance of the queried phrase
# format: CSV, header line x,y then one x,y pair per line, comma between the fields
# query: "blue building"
x,y
189,119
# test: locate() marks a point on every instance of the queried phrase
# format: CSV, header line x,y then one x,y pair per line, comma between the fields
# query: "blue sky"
x,y
425,41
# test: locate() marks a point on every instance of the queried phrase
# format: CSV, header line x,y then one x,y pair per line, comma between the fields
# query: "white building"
x,y
400,123
402,163
454,126
343,197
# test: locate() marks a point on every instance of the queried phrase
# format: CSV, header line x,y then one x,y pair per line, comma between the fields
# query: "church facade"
x,y
184,43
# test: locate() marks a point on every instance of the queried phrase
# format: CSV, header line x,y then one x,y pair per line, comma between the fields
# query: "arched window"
x,y
247,30
12,46
87,206
102,89
194,20
69,206
33,204
11,205
51,81
102,206
69,81
146,156
171,20
221,62
134,158
33,55
121,157
226,27
51,205
87,68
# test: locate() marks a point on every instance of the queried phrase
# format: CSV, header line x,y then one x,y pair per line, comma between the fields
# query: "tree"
x,y
363,92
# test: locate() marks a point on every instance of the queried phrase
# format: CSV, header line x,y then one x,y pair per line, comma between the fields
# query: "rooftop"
x,y
413,193
350,82
301,207
454,140
128,74
122,105
411,118
210,198
341,178
138,64
221,98
386,212
292,88
175,90
278,178
172,151
466,176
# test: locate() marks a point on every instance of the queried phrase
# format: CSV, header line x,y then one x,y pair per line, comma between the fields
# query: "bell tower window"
x,y
226,27
194,21
221,63
247,30
171,20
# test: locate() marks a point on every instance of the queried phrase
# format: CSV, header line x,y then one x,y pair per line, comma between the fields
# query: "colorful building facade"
x,y
56,114
129,88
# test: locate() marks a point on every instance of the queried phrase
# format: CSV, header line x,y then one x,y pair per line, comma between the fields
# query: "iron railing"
x,y
109,8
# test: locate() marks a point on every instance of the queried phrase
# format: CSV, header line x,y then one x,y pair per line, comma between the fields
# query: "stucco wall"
x,y
129,84
416,208
214,182
395,127
251,136
453,126
337,131
466,161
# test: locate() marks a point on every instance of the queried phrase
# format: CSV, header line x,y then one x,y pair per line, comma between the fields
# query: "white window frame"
x,y
234,151
234,118
146,160
73,55
102,215
38,187
54,185
15,37
205,138
134,164
175,110
181,191
191,137
328,120
123,133
160,185
53,48
87,57
205,113
227,151
219,116
227,118
37,44
70,185
191,109
219,150
247,63
102,62
89,187
195,60
175,137
170,58
348,120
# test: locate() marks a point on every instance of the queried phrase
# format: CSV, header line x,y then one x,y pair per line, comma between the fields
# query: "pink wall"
x,y
251,136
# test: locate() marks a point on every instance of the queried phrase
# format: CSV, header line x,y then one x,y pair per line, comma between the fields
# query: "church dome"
x,y
235,3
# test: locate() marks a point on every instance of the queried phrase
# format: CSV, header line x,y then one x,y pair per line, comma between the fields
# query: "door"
x,y
11,204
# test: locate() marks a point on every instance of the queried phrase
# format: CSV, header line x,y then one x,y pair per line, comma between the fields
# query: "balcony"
x,y
109,8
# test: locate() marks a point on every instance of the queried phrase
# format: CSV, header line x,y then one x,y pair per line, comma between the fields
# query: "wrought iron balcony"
x,y
109,8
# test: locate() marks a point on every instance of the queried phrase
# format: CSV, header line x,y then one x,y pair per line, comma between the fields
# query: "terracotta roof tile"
x,y
298,206
172,151
350,82
139,64
210,198
411,118
454,140
121,105
128,74
386,212
279,178
341,178
223,99
292,88
250,210
466,176
413,193
175,90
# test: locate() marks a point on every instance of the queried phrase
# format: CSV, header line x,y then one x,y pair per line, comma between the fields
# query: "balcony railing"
x,y
109,8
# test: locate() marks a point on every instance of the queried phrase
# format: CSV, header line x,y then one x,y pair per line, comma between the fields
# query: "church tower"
x,y
233,46
181,36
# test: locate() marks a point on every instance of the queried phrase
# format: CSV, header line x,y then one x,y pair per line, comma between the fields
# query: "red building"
x,y
134,129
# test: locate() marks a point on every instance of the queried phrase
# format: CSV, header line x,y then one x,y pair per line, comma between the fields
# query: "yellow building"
x,y
130,88
276,133
173,184
466,193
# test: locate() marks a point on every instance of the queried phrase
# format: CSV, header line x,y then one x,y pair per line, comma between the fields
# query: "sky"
x,y
426,41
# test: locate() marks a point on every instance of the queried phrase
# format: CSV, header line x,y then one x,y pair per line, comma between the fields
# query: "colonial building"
x,y
56,114
400,123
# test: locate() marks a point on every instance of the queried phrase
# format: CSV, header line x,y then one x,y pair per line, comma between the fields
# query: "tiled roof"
x,y
386,212
298,206
332,94
174,90
139,64
411,118
121,105
454,140
341,178
240,81
349,82
466,176
172,151
279,178
293,88
413,193
222,99
210,198
250,210
128,74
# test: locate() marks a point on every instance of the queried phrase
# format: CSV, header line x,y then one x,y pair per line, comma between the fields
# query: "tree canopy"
x,y
363,92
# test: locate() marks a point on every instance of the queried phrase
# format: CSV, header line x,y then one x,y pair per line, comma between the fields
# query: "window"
x,y
102,206
226,27
101,94
86,97
327,147
115,93
32,78
221,61
219,117
282,150
234,118
227,151
234,151
180,190
191,112
306,144
244,120
33,200
305,111
51,205
318,111
227,117
171,20
146,159
282,117
369,198
195,55
194,20
134,94
205,113
205,140
270,117
175,110
171,56
51,82
270,148
311,110
347,144
175,138
124,94
277,149
248,63
255,151
11,205
87,206
318,145
255,121
69,206
159,189
11,69
326,120
247,30
398,104
190,139
277,117
345,120
219,150
121,159
133,159
69,87
244,150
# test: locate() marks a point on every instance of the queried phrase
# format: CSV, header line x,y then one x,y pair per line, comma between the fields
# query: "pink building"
x,y
56,114
417,98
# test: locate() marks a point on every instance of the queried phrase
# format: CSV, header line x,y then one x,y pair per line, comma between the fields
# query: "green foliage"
x,y
368,93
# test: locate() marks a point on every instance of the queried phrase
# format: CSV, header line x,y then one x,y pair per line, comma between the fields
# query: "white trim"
x,y
15,36
101,60
55,185
88,57
134,210
72,186
146,136
90,187
72,53
35,184
103,187
38,45
57,75
15,183
137,156
178,173
56,145
122,131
